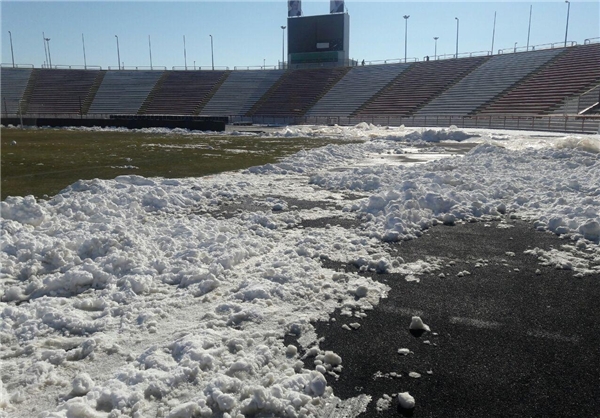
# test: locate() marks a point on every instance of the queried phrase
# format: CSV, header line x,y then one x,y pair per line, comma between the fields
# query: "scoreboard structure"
x,y
321,40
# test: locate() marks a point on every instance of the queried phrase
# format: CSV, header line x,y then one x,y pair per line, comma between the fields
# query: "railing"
x,y
537,47
17,66
139,68
198,68
76,67
257,67
392,61
554,123
349,63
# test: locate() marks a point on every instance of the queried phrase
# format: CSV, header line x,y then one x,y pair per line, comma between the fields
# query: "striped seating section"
x,y
61,91
182,92
14,82
486,82
123,91
418,85
297,91
240,92
572,73
355,88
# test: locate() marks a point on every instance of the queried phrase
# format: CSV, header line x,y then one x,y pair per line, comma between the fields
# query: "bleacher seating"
x,y
572,73
61,91
183,92
240,92
297,91
486,82
355,88
123,92
14,82
417,86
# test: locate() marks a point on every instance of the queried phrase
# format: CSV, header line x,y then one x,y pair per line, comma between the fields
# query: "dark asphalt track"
x,y
504,341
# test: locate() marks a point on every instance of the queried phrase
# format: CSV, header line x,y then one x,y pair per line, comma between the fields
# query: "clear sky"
x,y
248,33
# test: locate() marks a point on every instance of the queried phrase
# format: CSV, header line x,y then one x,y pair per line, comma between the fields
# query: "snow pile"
x,y
152,297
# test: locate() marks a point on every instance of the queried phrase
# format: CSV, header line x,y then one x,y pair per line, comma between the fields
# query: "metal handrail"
x,y
76,67
538,47
139,68
591,41
198,68
17,66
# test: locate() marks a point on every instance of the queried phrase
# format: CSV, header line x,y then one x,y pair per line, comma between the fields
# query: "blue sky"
x,y
248,33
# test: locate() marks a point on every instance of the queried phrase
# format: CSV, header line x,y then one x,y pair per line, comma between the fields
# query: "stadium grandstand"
x,y
546,87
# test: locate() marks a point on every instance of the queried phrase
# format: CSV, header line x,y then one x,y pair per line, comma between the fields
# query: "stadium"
x,y
327,237
550,87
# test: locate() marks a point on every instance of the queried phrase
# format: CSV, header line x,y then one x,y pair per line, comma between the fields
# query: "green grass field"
x,y
45,161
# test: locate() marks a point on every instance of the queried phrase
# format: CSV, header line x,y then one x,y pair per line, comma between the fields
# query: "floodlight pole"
x,y
184,54
457,26
212,55
405,35
49,56
45,48
567,28
493,34
529,29
118,53
150,50
11,49
283,47
84,59
435,53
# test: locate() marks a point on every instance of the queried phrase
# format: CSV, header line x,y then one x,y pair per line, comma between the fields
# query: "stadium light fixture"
x,y
283,47
212,55
529,28
567,28
150,50
405,34
45,48
11,49
84,59
457,25
49,56
493,34
184,54
435,53
118,53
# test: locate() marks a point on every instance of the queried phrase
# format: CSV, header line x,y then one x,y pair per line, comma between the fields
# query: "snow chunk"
x,y
417,324
406,400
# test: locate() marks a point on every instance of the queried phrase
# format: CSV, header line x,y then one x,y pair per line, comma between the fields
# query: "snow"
x,y
406,400
417,324
139,296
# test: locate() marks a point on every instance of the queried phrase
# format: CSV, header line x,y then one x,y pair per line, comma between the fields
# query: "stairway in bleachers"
x,y
355,88
92,93
240,92
61,91
417,86
296,91
123,92
14,82
486,82
572,73
182,92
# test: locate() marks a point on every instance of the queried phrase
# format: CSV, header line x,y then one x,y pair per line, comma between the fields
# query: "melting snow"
x,y
128,295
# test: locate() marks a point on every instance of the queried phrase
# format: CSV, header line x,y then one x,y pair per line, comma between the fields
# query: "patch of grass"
x,y
45,161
